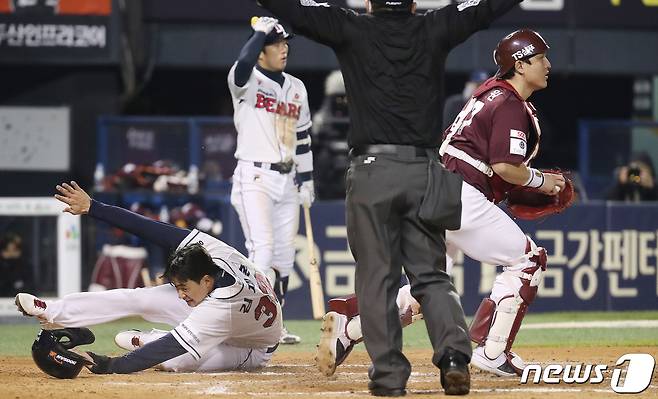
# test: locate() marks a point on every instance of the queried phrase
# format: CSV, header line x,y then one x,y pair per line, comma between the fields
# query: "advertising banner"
x,y
600,257
44,30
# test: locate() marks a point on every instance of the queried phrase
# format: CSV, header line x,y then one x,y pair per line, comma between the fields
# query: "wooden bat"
x,y
146,278
317,295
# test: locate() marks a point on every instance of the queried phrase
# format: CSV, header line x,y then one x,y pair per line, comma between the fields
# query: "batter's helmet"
x,y
519,45
53,356
277,34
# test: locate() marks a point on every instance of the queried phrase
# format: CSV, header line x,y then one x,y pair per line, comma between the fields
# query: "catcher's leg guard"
x,y
495,325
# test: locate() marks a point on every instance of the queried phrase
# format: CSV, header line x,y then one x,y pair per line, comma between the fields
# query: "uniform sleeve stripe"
x,y
188,239
185,345
303,149
305,126
305,176
302,135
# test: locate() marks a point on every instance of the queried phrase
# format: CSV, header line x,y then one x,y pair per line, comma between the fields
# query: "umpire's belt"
x,y
402,151
281,167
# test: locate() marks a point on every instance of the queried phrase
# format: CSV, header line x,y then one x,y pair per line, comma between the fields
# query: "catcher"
x,y
490,144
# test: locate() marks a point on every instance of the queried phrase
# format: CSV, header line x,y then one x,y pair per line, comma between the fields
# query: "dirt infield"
x,y
293,375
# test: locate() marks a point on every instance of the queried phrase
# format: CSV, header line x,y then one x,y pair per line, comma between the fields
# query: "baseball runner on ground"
x,y
490,144
275,163
225,313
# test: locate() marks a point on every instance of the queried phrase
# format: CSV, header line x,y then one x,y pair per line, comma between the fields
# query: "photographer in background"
x,y
330,128
636,181
16,274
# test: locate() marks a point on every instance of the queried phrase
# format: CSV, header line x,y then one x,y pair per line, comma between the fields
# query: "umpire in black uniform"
x,y
393,62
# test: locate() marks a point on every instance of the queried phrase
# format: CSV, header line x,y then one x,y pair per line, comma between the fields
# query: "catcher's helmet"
x,y
518,45
53,356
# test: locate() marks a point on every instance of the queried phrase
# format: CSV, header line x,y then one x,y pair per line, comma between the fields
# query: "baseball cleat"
x,y
129,340
334,344
508,364
287,338
30,305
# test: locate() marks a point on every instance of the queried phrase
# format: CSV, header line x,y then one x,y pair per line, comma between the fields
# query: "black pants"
x,y
384,193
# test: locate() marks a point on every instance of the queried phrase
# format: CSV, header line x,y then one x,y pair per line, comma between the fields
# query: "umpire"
x,y
393,63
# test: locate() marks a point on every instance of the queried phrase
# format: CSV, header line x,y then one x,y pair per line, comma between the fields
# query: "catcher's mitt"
x,y
530,203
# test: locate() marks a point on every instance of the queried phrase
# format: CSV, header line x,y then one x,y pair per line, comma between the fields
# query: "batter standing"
x,y
275,163
393,61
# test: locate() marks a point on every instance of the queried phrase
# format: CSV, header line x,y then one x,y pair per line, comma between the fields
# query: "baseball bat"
x,y
146,278
317,295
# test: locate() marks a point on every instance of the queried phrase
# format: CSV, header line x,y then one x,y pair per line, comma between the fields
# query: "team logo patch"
x,y
524,52
495,93
517,142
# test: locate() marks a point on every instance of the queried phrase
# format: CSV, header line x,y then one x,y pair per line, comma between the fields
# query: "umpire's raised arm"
x,y
79,203
457,22
320,22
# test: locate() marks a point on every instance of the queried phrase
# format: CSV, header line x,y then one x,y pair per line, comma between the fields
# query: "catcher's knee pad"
x,y
496,324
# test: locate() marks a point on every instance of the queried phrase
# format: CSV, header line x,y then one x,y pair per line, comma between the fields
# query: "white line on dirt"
x,y
593,324
223,391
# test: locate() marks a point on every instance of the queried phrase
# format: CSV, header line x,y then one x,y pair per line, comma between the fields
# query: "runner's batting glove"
x,y
265,24
307,193
102,364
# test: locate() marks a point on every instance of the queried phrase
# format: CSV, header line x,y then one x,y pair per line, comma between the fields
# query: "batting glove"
x,y
265,24
307,193
101,365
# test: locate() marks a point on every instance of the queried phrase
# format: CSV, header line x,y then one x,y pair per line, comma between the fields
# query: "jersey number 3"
x,y
266,305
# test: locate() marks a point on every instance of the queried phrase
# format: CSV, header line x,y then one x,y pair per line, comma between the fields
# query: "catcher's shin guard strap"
x,y
479,328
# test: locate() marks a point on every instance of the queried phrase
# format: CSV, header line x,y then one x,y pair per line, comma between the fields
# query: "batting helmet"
x,y
277,34
518,45
53,356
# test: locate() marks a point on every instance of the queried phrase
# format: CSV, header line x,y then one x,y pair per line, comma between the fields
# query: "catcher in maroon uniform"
x,y
490,144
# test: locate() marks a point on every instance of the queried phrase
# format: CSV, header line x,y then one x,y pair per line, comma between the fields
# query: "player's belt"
x,y
406,151
281,167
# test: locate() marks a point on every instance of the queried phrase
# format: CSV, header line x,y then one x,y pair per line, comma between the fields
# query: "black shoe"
x,y
376,390
388,392
455,377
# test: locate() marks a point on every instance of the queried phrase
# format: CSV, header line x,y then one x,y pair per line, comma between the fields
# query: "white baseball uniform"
x,y
235,327
268,117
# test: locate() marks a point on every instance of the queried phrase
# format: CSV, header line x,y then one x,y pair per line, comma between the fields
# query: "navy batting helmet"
x,y
277,34
51,353
518,45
